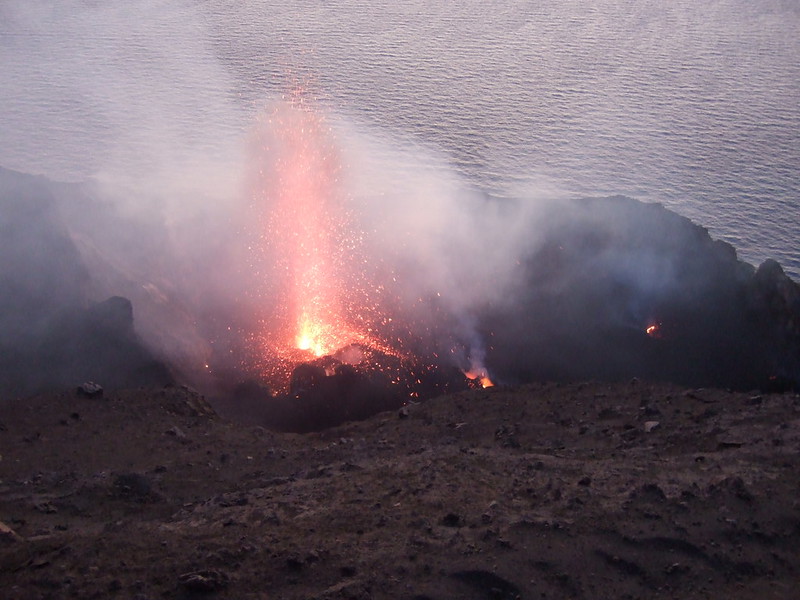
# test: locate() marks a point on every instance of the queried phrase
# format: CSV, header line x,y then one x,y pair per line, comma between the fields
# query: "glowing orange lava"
x,y
320,338
654,330
308,252
314,296
480,376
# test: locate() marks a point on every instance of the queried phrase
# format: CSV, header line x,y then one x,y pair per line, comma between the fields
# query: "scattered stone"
x,y
321,471
293,563
349,467
176,432
676,569
347,571
649,492
488,515
452,520
135,487
608,413
46,507
34,437
198,405
698,395
7,534
204,581
489,584
734,486
236,499
650,411
727,444
650,426
506,435
90,389
627,567
38,563
586,481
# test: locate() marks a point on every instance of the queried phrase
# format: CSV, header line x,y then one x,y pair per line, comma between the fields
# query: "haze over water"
x,y
692,104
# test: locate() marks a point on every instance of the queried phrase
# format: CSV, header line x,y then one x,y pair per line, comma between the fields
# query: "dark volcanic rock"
x,y
204,581
40,267
610,268
51,334
90,389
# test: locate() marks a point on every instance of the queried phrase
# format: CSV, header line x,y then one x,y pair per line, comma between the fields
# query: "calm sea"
x,y
692,104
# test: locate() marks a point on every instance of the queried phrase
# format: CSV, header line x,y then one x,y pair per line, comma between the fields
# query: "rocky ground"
x,y
591,490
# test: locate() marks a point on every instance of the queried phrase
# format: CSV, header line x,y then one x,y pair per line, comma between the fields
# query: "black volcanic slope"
x,y
585,491
607,269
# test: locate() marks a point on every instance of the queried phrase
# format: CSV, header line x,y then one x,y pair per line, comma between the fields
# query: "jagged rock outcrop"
x,y
610,269
51,334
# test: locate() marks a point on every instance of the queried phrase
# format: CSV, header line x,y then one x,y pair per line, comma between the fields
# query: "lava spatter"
x,y
309,246
318,296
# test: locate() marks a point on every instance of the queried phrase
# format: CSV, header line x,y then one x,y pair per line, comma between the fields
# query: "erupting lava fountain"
x,y
310,251
308,246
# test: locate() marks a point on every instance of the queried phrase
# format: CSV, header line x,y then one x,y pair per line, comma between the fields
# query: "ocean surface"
x,y
692,104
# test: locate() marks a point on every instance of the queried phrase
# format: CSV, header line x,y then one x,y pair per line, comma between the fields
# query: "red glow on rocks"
x,y
480,377
314,290
654,330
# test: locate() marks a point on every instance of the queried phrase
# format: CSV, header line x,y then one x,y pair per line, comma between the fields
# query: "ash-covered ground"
x,y
585,490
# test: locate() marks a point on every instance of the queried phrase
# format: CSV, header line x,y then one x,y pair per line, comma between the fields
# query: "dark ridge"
x,y
52,335
610,268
